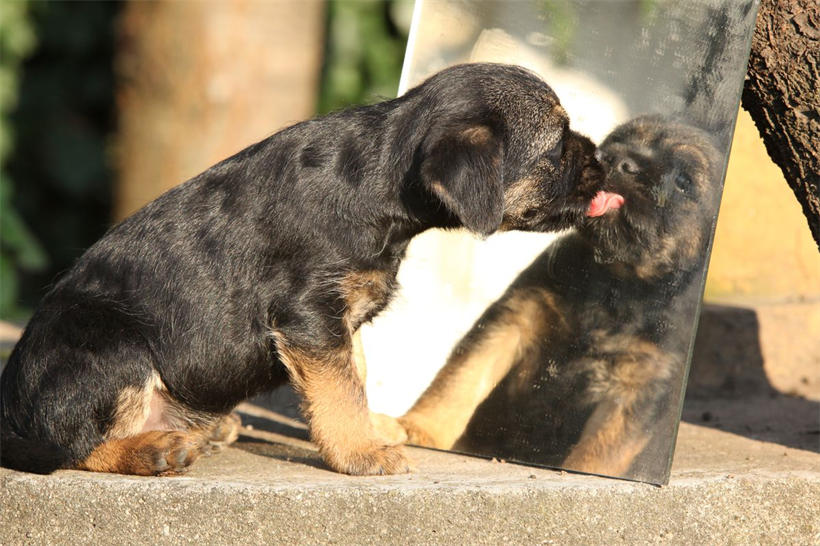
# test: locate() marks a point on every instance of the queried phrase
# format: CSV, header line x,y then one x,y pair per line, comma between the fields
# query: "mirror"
x,y
571,350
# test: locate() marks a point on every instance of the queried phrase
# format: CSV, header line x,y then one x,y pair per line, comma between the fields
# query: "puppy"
x,y
262,268
580,364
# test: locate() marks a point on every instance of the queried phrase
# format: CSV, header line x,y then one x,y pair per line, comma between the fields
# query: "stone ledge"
x,y
746,470
725,488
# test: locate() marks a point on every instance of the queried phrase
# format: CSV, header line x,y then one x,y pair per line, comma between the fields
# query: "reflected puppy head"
x,y
668,173
500,153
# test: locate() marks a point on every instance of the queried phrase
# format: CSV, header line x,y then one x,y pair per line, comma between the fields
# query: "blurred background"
x,y
105,105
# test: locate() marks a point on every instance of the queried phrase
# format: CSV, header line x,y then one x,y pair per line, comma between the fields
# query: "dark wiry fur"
x,y
598,328
262,268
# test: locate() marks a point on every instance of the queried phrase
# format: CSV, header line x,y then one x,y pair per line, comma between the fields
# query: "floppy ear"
x,y
462,167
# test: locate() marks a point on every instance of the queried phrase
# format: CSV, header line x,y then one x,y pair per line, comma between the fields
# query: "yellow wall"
x,y
763,248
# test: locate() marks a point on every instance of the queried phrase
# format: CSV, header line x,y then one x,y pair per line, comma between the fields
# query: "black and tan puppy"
x,y
262,268
580,363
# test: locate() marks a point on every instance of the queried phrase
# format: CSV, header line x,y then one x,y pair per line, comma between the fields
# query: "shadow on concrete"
x,y
273,427
729,390
281,449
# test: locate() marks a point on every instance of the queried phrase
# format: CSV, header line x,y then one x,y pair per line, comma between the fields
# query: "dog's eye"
x,y
628,166
683,183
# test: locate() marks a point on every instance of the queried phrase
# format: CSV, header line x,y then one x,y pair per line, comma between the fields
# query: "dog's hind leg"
x,y
81,391
153,453
150,434
162,452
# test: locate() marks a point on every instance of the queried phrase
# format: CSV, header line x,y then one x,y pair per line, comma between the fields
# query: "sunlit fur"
x,y
261,269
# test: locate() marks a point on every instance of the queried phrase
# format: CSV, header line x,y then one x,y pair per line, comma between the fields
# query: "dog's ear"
x,y
462,167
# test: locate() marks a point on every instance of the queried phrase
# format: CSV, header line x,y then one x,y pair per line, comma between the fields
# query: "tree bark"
x,y
782,94
199,81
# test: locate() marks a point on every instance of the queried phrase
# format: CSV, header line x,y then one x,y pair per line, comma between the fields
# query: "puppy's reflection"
x,y
581,363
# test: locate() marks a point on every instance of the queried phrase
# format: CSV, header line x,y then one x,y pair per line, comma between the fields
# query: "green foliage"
x,y
649,10
16,41
562,24
61,121
62,114
364,52
19,249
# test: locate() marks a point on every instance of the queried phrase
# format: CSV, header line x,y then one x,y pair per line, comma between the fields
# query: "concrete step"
x,y
272,488
746,470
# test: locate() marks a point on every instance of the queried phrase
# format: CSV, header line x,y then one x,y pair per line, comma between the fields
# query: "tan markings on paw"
x,y
154,453
373,460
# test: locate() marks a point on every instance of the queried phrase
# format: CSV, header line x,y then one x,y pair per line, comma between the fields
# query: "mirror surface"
x,y
571,350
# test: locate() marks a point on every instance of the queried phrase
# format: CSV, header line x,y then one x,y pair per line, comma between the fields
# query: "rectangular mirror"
x,y
571,350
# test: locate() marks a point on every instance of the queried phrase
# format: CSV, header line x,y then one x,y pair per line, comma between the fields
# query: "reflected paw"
x,y
416,435
388,429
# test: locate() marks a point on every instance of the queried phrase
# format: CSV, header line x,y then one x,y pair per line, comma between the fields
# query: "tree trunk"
x,y
782,94
199,81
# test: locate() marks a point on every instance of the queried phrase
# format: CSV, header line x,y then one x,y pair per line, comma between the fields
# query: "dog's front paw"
x,y
376,460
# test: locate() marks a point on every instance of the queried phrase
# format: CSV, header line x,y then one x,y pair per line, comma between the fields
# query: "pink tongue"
x,y
604,201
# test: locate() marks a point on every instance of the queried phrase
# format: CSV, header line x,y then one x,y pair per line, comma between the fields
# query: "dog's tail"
x,y
20,453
